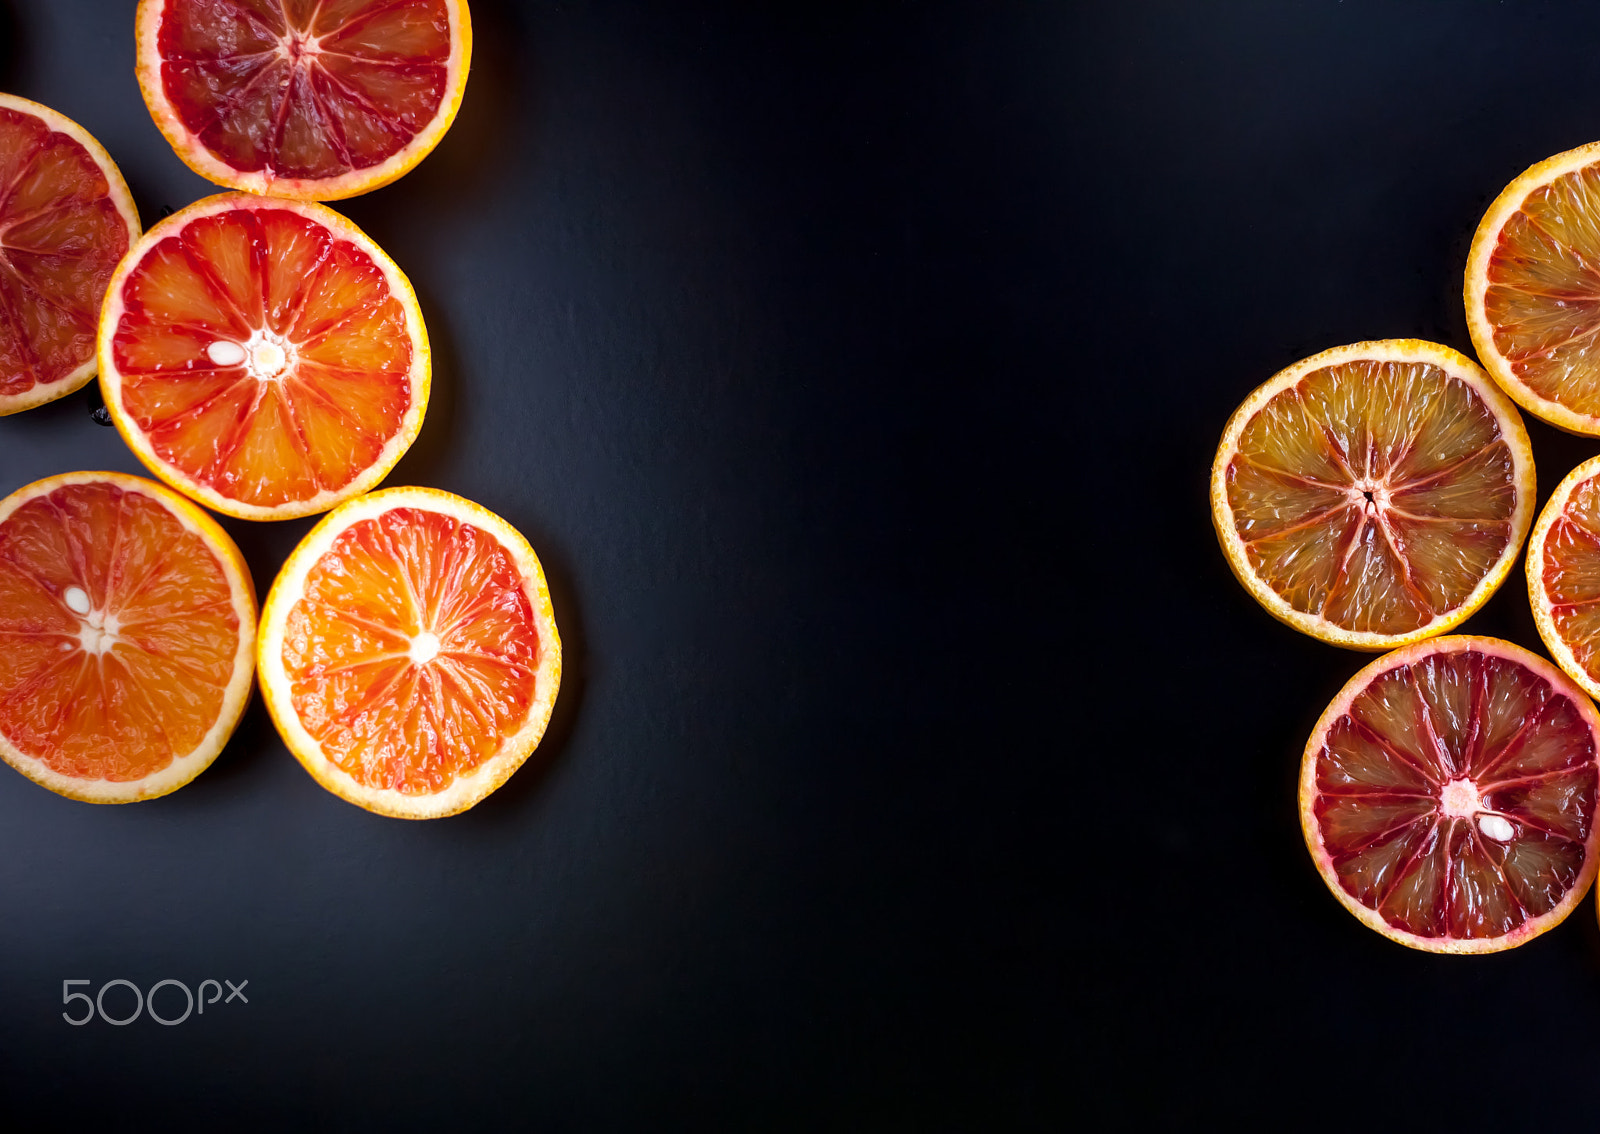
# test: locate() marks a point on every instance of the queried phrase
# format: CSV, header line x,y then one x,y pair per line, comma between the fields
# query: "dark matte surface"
x,y
762,327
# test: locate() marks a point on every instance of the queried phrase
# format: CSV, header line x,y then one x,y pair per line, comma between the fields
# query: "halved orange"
x,y
310,99
1448,795
408,652
65,220
127,635
263,357
1564,575
1374,494
1533,290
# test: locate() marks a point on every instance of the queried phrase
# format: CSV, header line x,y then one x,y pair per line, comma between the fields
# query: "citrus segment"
x,y
409,654
1374,494
1564,575
264,357
311,101
1448,795
1533,289
65,220
127,632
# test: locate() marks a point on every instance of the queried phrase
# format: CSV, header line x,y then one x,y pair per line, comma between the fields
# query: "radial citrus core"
x,y
285,95
120,639
63,227
1373,495
413,650
1454,795
259,353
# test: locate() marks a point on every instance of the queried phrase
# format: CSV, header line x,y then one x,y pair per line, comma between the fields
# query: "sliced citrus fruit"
x,y
1564,575
1533,290
127,636
263,357
65,220
408,652
1448,795
310,99
1374,494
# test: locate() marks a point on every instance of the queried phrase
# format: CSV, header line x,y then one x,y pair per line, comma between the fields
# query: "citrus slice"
x,y
65,220
408,652
1533,290
1448,795
1564,575
310,99
1374,494
127,635
263,357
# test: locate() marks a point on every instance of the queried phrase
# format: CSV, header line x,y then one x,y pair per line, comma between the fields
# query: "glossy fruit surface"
x,y
127,634
1448,795
309,99
409,654
1532,290
263,357
1374,494
65,220
1564,575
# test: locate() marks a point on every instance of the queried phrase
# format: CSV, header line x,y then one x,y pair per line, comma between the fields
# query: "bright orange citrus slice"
x,y
1564,575
263,357
1533,290
127,635
1448,795
65,220
1374,494
408,652
309,99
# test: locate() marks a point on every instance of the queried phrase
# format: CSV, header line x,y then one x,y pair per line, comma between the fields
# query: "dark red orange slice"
x,y
1448,795
309,99
65,220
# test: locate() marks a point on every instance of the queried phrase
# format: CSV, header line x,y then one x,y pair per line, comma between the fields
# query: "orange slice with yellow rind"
x,y
1532,290
263,357
66,218
1374,494
408,652
315,100
1563,571
127,636
1448,795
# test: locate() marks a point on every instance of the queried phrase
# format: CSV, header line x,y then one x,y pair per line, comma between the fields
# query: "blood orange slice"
x,y
310,99
65,220
1564,575
1374,494
1533,290
263,357
408,652
127,634
1448,795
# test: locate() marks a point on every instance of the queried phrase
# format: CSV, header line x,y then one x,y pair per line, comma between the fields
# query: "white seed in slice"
x,y
225,353
77,600
1496,827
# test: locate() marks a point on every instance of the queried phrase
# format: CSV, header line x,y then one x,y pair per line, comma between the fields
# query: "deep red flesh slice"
x,y
60,239
1457,794
305,90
